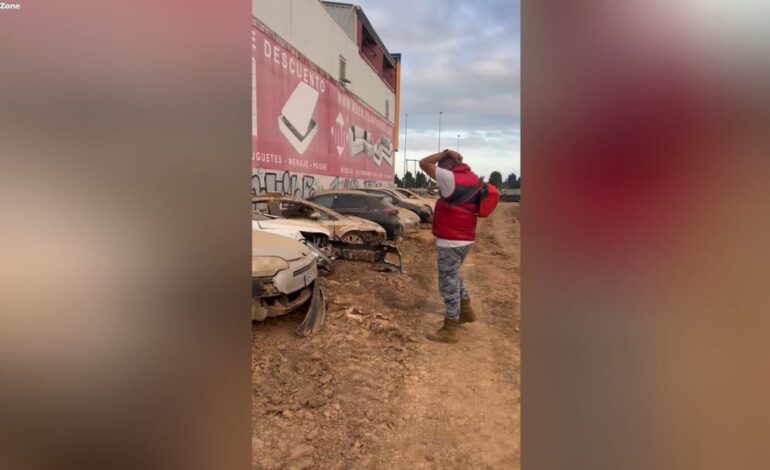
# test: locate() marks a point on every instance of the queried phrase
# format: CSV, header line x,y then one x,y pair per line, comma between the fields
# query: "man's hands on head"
x,y
428,164
455,155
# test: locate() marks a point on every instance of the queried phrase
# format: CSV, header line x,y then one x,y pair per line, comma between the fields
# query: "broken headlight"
x,y
267,266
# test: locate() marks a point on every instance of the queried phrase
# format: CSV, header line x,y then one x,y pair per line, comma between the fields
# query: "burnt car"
x,y
368,206
343,228
423,212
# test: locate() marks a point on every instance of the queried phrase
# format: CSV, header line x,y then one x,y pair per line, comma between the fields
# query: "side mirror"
x,y
315,215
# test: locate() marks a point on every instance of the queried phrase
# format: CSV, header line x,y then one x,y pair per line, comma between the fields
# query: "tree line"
x,y
422,181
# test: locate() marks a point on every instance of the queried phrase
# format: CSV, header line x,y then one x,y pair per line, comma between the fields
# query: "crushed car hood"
x,y
299,225
289,232
268,244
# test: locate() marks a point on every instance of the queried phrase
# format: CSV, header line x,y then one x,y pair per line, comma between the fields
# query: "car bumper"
x,y
410,226
284,292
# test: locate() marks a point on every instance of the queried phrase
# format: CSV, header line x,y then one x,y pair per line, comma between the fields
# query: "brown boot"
x,y
447,333
466,312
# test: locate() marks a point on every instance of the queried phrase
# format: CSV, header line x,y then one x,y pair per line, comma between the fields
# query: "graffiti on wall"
x,y
303,186
353,183
344,183
284,183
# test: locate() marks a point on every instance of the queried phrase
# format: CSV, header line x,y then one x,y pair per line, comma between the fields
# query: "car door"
x,y
296,210
326,218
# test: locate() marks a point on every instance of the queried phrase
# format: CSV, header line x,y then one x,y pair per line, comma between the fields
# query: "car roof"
x,y
354,192
282,198
387,190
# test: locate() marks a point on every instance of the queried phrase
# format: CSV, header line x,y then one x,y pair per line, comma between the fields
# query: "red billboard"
x,y
304,122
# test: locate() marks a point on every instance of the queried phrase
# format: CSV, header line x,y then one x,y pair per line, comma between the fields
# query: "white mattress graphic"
x,y
296,121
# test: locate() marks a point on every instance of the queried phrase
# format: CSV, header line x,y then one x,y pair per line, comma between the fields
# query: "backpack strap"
x,y
471,194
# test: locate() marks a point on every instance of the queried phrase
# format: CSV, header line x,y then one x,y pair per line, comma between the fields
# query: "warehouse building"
x,y
325,99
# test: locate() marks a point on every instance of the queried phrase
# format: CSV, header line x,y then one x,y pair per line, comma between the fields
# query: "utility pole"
x,y
439,129
406,130
458,143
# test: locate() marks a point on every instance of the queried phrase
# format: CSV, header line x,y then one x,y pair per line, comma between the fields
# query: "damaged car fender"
x,y
284,275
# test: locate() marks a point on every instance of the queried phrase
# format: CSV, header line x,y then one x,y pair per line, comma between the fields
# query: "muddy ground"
x,y
370,391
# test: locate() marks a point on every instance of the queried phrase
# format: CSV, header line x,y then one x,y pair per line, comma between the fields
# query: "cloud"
x,y
493,68
461,58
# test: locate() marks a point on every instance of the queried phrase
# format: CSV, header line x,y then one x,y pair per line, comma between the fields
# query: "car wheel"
x,y
353,237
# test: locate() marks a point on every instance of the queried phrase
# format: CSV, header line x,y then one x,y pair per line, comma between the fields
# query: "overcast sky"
x,y
462,58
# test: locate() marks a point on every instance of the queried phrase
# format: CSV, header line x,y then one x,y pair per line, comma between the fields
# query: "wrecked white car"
x,y
284,276
313,235
313,232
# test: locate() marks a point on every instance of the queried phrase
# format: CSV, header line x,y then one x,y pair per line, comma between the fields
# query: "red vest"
x,y
457,222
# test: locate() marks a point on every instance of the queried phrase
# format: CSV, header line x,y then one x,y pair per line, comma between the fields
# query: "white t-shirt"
x,y
445,180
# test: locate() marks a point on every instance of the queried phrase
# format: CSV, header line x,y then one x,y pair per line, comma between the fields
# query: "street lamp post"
x,y
439,129
406,130
415,169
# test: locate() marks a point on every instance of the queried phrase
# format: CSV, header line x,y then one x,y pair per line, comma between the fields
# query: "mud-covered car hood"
x,y
289,232
361,223
268,244
299,225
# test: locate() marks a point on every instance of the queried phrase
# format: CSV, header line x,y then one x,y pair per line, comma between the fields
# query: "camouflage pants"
x,y
450,285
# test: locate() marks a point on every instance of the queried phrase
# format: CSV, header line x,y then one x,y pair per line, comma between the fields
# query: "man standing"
x,y
454,226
